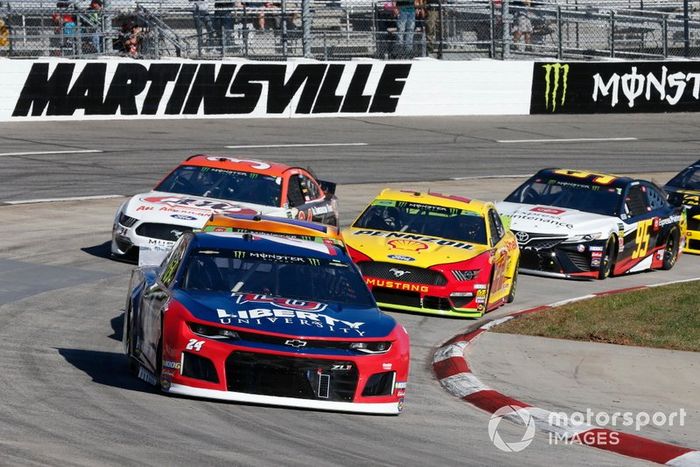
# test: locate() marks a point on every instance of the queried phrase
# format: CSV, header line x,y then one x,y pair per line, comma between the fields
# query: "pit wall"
x,y
55,89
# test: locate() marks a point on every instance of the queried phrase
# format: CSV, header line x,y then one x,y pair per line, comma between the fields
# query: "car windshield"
x,y
276,275
231,185
425,219
564,193
688,179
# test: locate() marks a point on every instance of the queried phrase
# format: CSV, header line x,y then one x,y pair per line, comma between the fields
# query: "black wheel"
x,y
513,285
607,262
671,250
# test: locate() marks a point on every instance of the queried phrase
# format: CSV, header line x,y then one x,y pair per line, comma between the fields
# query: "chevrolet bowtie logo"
x,y
296,343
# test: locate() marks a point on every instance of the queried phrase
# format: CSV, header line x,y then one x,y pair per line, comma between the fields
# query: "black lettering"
x,y
212,91
281,93
355,100
159,74
40,91
249,91
327,101
129,81
182,86
88,90
389,88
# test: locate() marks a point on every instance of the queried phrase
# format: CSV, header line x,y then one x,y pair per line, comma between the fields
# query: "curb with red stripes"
x,y
455,375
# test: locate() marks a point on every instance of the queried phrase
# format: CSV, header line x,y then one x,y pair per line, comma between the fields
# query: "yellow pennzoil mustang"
x,y
434,253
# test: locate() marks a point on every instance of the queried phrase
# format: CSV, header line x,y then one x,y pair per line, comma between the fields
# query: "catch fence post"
x,y
306,27
560,53
506,21
612,34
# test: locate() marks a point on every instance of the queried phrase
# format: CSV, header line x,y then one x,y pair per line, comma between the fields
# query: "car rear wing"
x,y
327,187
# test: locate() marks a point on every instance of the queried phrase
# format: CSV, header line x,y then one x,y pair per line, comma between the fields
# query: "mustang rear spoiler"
x,y
327,187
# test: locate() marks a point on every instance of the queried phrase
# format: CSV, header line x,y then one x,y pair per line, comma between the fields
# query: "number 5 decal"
x,y
642,240
195,345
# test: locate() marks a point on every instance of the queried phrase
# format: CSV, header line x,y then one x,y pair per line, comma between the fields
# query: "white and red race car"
x,y
201,185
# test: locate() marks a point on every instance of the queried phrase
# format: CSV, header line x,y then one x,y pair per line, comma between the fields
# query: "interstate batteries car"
x,y
684,190
264,319
434,253
256,223
185,199
577,224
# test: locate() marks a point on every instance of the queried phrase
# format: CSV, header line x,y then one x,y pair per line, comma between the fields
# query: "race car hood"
x,y
187,210
552,220
297,318
414,249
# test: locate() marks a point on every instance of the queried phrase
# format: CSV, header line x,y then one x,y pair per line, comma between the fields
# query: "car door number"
x,y
642,240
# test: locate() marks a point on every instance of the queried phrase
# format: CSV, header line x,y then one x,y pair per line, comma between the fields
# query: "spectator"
x,y
258,12
94,14
223,21
522,25
202,21
405,13
432,22
4,34
64,29
130,39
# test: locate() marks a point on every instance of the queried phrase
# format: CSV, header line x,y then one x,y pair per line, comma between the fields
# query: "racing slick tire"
x,y
607,262
513,285
671,249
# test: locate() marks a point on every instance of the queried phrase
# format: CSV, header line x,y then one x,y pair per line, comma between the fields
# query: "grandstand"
x,y
343,29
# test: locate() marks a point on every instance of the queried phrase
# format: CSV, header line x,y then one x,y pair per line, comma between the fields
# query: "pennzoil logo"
x,y
556,80
408,245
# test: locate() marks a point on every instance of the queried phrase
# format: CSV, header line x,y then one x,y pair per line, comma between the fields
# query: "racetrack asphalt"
x,y
67,397
563,376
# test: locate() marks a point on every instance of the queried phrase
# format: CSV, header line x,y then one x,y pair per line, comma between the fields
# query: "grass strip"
x,y
666,317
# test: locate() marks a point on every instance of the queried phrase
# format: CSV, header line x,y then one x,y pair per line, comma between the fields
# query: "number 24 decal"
x,y
195,345
642,240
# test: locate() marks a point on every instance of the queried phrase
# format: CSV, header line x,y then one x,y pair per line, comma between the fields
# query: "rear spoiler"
x,y
327,187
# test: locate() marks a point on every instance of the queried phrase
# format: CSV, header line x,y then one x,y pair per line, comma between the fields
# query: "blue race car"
x,y
264,319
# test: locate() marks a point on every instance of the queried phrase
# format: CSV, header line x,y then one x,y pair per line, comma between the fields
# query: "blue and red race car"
x,y
264,319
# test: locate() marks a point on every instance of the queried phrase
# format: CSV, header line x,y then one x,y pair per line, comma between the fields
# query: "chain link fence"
x,y
345,29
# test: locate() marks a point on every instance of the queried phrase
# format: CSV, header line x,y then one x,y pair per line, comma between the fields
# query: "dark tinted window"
x,y
246,187
425,219
655,197
276,275
497,229
565,193
309,188
688,179
295,194
636,203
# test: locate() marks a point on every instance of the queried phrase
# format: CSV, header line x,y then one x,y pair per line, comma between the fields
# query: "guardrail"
x,y
342,29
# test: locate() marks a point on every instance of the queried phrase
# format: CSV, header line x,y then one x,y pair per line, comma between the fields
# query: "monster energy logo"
x,y
551,91
314,262
239,254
